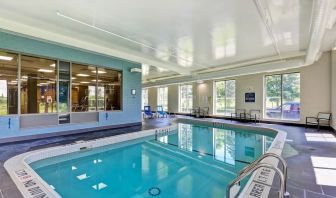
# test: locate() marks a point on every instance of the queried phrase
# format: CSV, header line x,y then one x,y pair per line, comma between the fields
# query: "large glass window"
x,y
163,97
109,89
186,98
38,85
8,83
225,97
282,94
83,91
144,98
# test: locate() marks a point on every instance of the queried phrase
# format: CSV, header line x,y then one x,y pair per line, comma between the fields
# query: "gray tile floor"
x,y
305,179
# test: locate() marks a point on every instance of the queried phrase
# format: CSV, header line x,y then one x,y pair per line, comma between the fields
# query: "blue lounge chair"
x,y
148,112
160,112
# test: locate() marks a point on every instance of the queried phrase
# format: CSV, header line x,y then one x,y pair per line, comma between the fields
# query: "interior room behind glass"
x,y
8,83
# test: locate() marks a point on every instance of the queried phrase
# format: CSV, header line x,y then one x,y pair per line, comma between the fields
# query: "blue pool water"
x,y
195,161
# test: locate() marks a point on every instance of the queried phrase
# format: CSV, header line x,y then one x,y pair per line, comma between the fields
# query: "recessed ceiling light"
x,y
83,75
73,78
6,58
53,65
46,70
95,80
99,72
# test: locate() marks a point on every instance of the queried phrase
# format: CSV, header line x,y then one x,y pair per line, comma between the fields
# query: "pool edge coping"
x,y
21,162
276,147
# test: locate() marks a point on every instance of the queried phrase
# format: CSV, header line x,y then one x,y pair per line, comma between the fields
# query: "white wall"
x,y
333,87
315,89
152,97
173,98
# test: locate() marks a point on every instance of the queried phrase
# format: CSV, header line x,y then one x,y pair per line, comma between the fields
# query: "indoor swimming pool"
x,y
190,161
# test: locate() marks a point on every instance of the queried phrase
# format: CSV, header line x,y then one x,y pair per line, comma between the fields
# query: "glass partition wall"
x,y
35,85
8,83
38,85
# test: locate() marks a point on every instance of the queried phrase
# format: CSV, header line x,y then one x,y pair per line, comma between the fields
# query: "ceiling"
x,y
175,39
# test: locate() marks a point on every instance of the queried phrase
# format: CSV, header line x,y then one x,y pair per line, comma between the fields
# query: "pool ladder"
x,y
256,165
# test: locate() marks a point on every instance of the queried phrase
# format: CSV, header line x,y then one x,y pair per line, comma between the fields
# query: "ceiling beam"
x,y
233,72
321,13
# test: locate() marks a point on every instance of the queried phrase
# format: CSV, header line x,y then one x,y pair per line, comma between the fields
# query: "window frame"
x,y
281,96
147,100
179,98
225,96
158,97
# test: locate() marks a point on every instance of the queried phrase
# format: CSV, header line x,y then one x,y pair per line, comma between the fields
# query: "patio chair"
x,y
238,114
204,111
322,119
161,112
195,112
148,112
253,115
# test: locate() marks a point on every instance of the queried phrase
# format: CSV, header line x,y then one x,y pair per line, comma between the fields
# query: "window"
x,y
225,97
163,97
83,91
8,83
38,85
109,89
144,98
282,96
186,98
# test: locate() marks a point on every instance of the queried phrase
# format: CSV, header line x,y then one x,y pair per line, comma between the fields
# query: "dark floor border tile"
x,y
65,133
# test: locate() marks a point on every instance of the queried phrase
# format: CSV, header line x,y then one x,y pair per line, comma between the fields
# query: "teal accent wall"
x,y
131,105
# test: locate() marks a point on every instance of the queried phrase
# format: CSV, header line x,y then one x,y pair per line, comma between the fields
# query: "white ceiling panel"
x,y
192,35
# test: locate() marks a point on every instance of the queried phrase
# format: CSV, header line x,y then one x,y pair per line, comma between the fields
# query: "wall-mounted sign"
x,y
250,97
133,93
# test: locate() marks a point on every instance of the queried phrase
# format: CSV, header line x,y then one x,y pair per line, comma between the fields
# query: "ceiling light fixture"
x,y
99,72
6,58
83,75
53,65
46,70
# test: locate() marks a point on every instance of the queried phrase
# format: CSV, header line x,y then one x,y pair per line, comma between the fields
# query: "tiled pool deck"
x,y
311,157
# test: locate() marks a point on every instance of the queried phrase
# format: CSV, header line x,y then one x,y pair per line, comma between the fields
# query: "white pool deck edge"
x,y
30,184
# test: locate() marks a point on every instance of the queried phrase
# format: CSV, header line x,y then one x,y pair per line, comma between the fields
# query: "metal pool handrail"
x,y
250,171
283,162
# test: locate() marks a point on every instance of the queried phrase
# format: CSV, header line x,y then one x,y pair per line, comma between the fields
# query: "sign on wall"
x,y
250,97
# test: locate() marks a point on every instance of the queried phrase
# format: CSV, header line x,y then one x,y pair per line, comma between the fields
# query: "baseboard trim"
x,y
65,133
